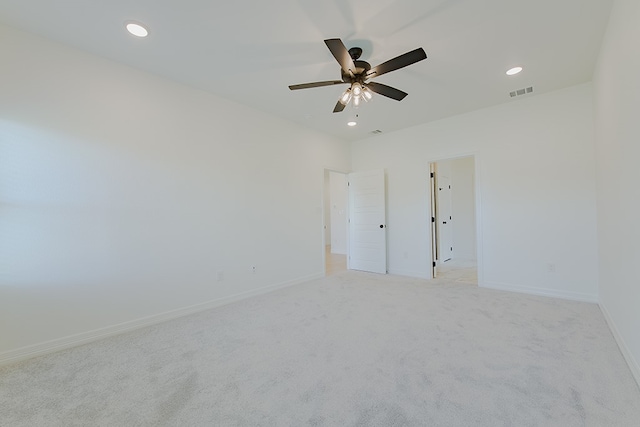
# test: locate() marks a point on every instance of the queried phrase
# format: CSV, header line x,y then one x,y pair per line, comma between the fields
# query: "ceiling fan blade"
x,y
316,84
398,62
387,91
341,54
339,107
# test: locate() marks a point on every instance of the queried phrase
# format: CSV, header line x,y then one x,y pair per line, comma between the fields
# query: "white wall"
x,y
617,94
122,195
463,208
338,183
535,165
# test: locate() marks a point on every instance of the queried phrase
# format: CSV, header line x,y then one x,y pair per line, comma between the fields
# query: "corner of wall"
x,y
622,345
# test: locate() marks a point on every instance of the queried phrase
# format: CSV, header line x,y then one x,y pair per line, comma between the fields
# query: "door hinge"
x,y
449,217
433,219
431,175
434,263
452,248
449,187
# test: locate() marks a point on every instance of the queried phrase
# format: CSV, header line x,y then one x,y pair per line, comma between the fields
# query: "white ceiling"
x,y
251,50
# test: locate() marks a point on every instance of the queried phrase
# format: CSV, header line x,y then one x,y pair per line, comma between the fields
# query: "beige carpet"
x,y
353,349
459,271
334,263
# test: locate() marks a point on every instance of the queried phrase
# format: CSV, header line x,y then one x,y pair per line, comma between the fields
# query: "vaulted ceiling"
x,y
250,51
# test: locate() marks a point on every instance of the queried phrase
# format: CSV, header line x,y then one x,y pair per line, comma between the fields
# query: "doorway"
x,y
453,220
335,222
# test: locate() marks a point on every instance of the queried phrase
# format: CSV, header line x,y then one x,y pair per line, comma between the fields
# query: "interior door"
x,y
367,222
445,227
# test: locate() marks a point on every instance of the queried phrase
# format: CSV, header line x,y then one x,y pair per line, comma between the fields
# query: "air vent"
x,y
521,92
376,132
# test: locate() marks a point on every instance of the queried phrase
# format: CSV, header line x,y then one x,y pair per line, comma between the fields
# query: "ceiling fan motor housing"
x,y
355,53
361,69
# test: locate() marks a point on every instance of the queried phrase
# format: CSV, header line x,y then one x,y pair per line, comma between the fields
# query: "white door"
x,y
367,222
445,230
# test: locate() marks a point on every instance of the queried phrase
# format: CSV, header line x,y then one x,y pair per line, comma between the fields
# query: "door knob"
x,y
381,226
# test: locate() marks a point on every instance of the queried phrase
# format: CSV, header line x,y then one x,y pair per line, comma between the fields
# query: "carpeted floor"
x,y
459,271
353,349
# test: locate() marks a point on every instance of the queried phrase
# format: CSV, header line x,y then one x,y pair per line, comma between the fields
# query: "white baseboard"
x,y
409,274
624,349
47,347
553,293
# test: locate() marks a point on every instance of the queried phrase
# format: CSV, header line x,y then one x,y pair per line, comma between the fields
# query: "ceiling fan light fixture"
x,y
366,94
356,101
356,88
346,97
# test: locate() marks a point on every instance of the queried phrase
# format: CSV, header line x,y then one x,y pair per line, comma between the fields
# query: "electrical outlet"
x,y
551,268
253,269
220,276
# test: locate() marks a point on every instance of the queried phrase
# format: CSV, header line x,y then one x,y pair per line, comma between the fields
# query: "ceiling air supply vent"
x,y
376,132
520,92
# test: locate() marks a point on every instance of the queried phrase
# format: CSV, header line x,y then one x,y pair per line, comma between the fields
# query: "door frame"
x,y
478,207
433,229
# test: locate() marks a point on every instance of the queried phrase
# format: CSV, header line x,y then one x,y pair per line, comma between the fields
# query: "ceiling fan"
x,y
357,73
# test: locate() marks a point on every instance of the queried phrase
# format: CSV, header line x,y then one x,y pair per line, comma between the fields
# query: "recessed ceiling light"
x,y
137,29
514,71
351,124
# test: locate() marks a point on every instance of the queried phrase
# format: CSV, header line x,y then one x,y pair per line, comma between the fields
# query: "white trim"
x,y
622,345
58,344
545,292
